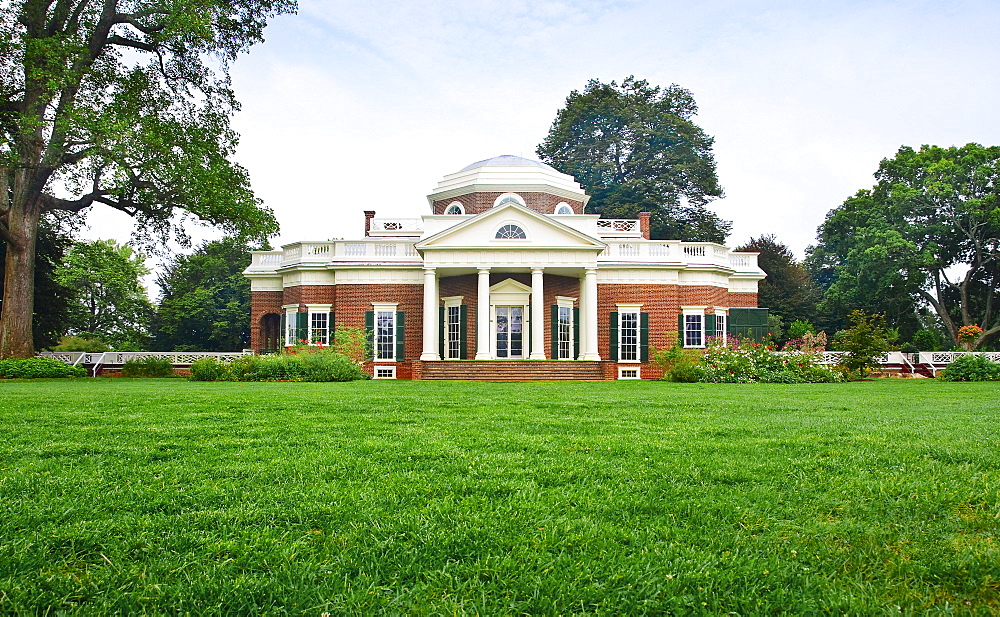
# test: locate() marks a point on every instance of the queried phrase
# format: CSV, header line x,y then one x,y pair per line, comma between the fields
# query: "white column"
x,y
579,326
537,316
483,316
589,316
430,351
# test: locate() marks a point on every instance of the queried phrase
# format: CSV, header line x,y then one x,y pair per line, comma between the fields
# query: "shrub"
x,y
208,369
926,340
798,328
81,343
328,366
678,364
35,368
865,341
239,369
972,368
148,367
731,361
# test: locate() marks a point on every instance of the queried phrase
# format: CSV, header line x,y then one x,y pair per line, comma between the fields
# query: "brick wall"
x,y
351,302
474,203
262,303
742,299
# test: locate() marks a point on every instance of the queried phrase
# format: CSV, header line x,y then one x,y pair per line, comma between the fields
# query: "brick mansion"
x,y
504,271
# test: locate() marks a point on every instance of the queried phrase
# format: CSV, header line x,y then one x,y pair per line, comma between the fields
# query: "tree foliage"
x,y
926,235
121,104
109,300
635,148
865,341
205,301
788,291
51,300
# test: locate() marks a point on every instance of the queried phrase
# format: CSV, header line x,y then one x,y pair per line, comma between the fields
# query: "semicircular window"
x,y
511,232
455,208
564,208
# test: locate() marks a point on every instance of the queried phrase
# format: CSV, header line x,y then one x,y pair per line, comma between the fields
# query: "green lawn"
x,y
161,496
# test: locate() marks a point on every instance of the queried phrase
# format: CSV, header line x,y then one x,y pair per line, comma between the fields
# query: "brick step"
x,y
513,370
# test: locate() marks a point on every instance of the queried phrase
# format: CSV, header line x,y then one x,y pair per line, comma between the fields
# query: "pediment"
x,y
509,286
481,231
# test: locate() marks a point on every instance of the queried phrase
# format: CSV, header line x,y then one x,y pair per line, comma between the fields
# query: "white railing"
x,y
666,251
177,358
395,226
618,227
937,360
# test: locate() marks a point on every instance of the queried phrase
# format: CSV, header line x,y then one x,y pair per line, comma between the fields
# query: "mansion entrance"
x,y
510,332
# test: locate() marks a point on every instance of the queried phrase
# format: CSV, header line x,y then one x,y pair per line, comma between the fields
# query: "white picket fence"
x,y
180,359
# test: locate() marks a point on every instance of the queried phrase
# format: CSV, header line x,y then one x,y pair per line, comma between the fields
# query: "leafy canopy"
x,y
205,300
124,104
635,148
927,234
109,300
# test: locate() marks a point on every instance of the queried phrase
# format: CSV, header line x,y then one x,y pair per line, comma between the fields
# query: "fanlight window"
x,y
511,232
455,208
508,198
564,208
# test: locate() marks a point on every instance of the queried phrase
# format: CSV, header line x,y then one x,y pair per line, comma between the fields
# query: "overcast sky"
x,y
352,106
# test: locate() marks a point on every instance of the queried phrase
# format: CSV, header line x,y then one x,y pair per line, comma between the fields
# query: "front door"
x,y
510,331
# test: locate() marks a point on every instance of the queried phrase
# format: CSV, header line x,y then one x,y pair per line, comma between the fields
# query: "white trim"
x,y
449,303
388,372
461,208
693,311
630,309
385,307
313,309
629,372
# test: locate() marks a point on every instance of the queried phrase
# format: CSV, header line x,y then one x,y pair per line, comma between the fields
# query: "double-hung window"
x,y
565,333
291,321
628,333
720,323
693,326
319,324
385,334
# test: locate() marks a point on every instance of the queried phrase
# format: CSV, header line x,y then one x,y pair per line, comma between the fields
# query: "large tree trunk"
x,y
19,284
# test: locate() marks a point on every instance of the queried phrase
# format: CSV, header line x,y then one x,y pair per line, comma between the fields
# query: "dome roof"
x,y
506,160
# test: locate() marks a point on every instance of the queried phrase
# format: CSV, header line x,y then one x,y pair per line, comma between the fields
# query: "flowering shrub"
x,y
968,335
735,361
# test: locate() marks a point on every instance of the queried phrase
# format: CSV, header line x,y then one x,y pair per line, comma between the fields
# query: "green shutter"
x,y
443,322
555,332
281,332
370,332
331,331
463,328
576,333
709,326
301,326
613,327
680,329
400,337
748,323
644,337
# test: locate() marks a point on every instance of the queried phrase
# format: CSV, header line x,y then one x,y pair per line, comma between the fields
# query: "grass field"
x,y
168,496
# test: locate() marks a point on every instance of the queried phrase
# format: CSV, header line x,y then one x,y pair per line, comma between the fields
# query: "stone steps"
x,y
513,370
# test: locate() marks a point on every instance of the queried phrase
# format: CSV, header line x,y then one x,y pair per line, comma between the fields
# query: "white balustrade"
x,y
355,249
659,249
385,250
696,250
396,225
628,249
618,225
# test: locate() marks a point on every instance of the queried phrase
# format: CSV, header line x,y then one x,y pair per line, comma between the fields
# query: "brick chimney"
x,y
644,224
369,215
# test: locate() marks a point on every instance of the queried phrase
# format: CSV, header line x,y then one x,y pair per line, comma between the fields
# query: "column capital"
x,y
538,270
483,270
429,269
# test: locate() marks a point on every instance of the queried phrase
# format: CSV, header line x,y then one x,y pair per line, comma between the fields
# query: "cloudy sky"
x,y
365,105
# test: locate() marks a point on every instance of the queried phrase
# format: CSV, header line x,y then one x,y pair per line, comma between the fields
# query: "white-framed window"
x,y
564,208
629,372
319,324
694,325
291,324
510,231
384,372
385,332
564,328
507,198
721,321
628,332
452,327
455,207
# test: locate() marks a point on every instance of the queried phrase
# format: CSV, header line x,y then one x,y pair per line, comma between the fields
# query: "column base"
x,y
425,357
537,356
591,357
483,356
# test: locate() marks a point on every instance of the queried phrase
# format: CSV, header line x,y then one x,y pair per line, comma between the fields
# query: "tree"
x,y
788,291
205,301
926,235
51,300
127,106
110,302
865,341
635,148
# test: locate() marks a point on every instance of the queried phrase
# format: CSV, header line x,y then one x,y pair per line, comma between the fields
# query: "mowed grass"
x,y
168,496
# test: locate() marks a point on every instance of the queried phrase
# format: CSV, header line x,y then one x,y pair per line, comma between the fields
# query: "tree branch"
x,y
121,41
